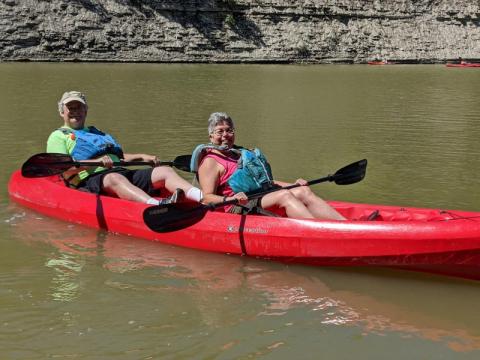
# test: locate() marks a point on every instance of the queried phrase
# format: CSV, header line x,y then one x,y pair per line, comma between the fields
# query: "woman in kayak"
x,y
222,178
90,144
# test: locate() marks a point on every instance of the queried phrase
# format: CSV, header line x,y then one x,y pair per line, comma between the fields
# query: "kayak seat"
x,y
255,210
374,215
260,211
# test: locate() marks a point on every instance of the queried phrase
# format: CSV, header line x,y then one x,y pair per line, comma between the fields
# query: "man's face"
x,y
74,114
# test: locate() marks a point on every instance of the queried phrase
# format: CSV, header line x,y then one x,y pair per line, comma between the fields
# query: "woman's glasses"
x,y
220,132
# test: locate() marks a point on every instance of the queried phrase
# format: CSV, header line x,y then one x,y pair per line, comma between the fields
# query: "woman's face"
x,y
223,134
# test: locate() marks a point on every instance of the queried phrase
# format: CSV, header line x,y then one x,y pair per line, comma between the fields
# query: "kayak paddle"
x,y
48,164
171,217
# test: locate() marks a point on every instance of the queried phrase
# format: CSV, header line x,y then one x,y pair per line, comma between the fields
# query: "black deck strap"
x,y
241,234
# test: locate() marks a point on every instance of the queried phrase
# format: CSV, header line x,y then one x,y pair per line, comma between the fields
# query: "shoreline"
x,y
240,62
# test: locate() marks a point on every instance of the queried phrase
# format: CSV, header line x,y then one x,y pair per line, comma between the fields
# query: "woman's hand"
x,y
241,197
301,182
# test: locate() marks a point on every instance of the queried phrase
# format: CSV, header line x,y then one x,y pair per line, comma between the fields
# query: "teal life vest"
x,y
92,144
253,172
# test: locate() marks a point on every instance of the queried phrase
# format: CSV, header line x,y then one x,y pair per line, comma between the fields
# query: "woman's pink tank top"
x,y
230,165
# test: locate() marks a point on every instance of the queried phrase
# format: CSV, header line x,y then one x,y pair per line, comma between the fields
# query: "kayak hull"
x,y
432,240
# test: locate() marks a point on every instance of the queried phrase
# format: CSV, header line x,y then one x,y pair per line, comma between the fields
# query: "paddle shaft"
x,y
349,174
164,218
48,164
263,193
115,163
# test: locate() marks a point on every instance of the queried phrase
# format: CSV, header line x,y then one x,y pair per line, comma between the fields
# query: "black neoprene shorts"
x,y
141,178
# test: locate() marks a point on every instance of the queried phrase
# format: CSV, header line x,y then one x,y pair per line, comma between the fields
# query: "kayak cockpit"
x,y
355,211
359,212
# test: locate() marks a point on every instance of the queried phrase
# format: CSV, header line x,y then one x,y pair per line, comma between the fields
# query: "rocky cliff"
x,y
317,31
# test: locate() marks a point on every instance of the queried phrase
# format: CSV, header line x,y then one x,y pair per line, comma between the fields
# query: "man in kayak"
x,y
91,145
222,178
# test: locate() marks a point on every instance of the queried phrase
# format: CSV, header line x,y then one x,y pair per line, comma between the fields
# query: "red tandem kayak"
x,y
467,65
438,241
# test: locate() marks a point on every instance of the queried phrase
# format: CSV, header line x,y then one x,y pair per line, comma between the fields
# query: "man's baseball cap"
x,y
73,96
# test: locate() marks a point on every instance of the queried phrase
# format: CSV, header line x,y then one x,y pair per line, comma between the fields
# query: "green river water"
x,y
69,292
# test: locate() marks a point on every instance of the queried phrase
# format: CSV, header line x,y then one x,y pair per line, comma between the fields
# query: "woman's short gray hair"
x,y
219,118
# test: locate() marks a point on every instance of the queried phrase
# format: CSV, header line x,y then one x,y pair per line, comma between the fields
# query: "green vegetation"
x,y
230,20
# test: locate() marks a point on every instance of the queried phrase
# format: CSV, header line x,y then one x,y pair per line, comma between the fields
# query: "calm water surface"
x,y
69,292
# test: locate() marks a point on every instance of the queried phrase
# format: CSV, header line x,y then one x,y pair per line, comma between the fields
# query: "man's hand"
x,y
142,157
106,161
151,158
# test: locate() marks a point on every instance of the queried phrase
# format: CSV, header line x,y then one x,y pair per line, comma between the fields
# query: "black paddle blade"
x,y
182,162
172,217
46,164
351,174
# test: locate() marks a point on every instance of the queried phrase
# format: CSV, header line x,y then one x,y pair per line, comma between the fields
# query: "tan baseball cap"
x,y
73,96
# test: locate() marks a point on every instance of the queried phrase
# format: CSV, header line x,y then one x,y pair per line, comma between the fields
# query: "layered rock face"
x,y
317,31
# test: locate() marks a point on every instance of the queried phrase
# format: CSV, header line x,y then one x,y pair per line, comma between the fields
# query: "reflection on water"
x,y
65,285
225,291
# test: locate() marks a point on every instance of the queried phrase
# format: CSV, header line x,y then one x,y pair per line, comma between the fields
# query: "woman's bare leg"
x,y
317,207
287,201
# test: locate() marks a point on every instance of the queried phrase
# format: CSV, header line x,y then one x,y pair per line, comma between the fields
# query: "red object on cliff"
x,y
379,63
430,240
